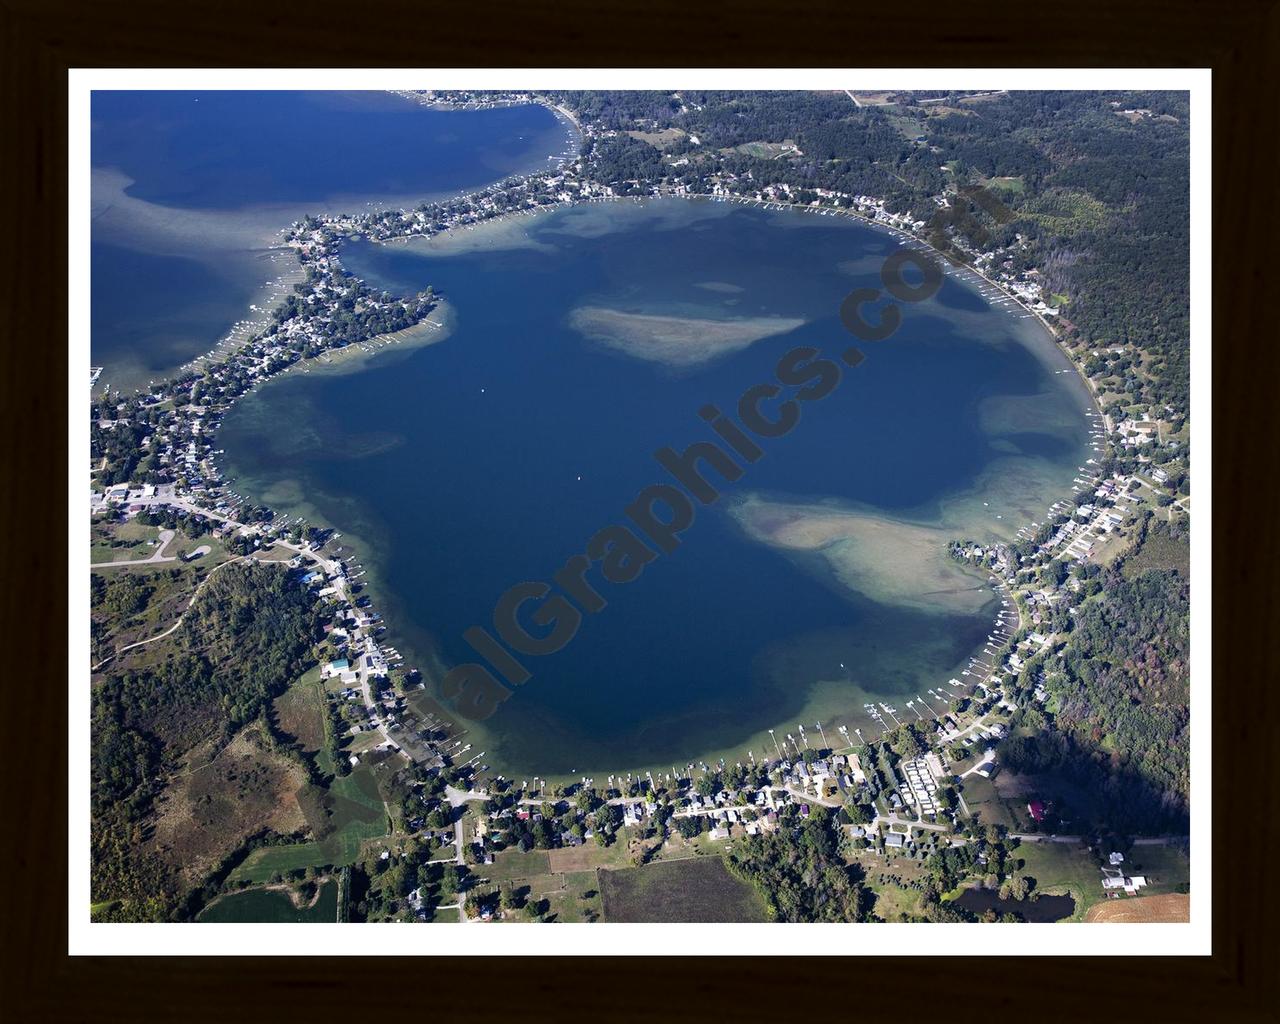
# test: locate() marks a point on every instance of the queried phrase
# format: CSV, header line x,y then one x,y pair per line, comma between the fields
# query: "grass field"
x,y
113,542
273,906
1112,547
300,713
571,895
589,856
1063,868
345,816
896,903
1014,185
1067,210
1159,551
659,140
985,801
131,540
696,889
1166,867
512,864
768,150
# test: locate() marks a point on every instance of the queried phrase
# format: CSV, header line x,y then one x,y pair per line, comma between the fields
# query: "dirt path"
x,y
161,636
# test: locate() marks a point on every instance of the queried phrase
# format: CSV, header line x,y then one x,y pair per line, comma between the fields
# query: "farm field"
x,y
1171,908
1159,551
272,906
344,817
698,889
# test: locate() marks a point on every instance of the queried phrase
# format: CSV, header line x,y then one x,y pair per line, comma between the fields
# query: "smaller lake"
x,y
271,906
1042,910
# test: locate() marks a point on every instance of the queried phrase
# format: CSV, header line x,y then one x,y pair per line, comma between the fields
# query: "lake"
x,y
1041,910
192,189
816,588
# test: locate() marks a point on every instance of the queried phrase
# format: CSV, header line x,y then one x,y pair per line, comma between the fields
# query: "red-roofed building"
x,y
1036,809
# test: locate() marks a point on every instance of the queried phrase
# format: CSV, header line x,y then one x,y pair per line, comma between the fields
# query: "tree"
x,y
859,814
1015,887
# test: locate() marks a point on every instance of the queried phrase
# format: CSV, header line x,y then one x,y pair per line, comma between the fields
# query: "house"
x,y
1116,858
895,840
1115,879
1036,809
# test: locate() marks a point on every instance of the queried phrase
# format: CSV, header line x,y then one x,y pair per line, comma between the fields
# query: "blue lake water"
x,y
491,457
191,188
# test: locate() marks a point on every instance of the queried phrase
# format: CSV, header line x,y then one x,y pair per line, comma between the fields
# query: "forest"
x,y
799,870
240,645
1121,704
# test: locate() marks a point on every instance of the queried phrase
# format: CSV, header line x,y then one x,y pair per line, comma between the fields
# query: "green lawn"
x,y
113,542
514,864
896,903
982,799
1168,868
1063,868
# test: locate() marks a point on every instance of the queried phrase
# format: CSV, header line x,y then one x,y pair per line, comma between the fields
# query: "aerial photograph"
x,y
637,506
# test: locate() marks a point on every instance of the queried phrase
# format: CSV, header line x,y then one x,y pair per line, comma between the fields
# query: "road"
x,y
1031,837
156,556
